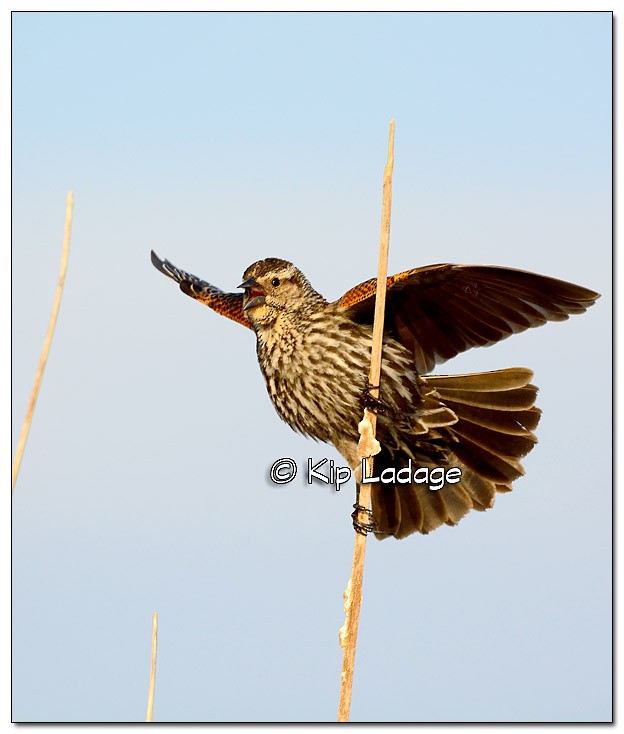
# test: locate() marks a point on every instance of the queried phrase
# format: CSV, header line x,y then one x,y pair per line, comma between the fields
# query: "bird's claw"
x,y
372,403
364,528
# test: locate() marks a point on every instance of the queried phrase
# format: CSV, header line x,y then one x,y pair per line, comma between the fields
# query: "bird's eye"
x,y
275,282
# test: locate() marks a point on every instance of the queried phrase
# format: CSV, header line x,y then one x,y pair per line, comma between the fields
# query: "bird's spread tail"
x,y
496,416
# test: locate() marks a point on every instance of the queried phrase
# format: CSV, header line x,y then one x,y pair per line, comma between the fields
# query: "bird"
x,y
315,357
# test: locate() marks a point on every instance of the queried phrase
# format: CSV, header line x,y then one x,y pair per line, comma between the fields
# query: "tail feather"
x,y
492,430
511,444
457,504
487,462
481,490
521,398
496,381
516,423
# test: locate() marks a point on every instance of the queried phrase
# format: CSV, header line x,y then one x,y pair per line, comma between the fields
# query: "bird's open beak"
x,y
256,301
254,294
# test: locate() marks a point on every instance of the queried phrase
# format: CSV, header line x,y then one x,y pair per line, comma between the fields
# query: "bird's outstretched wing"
x,y
227,304
439,311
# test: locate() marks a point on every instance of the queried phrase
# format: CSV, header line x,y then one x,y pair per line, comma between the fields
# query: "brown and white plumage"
x,y
315,356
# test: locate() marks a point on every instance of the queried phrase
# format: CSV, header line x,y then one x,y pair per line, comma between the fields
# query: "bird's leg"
x,y
360,527
374,404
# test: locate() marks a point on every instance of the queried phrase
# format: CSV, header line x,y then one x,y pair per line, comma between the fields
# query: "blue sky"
x,y
220,139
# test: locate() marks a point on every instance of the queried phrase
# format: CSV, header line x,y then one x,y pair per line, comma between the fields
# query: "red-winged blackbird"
x,y
315,358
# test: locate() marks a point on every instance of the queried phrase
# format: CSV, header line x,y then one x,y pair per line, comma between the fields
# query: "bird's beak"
x,y
256,301
254,293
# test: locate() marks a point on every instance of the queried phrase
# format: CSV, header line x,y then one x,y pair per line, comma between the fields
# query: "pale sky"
x,y
220,139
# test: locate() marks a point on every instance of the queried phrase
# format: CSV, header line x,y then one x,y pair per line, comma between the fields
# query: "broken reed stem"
x,y
21,444
152,679
353,592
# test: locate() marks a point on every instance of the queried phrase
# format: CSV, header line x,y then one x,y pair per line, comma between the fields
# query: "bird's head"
x,y
274,287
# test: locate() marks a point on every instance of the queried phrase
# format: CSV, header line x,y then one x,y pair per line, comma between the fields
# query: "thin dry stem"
x,y
152,679
21,444
353,592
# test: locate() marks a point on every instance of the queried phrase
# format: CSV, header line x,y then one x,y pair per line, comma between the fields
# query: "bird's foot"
x,y
364,528
374,404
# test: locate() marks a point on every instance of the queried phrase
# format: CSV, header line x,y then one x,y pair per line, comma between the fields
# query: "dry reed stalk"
x,y
353,592
152,679
21,444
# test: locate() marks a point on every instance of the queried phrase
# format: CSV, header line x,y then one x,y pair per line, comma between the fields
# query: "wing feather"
x,y
442,310
229,305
